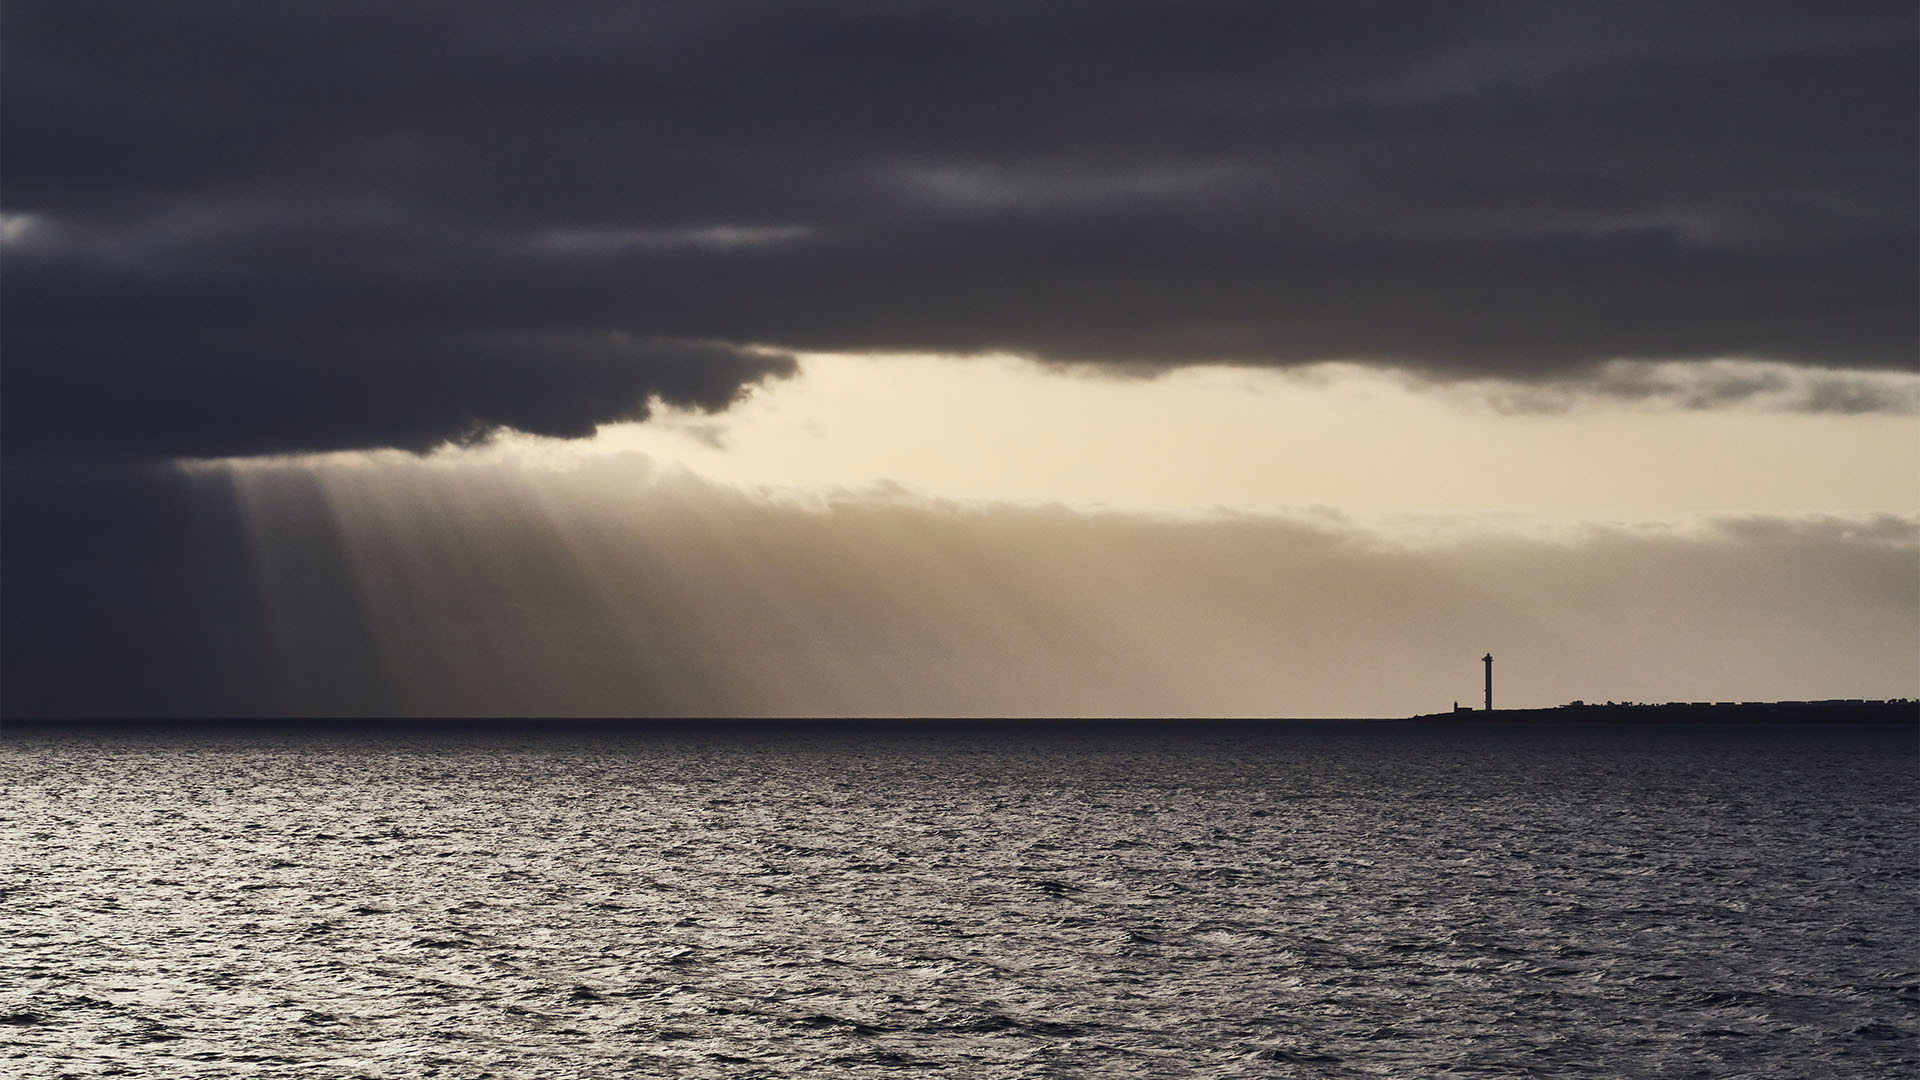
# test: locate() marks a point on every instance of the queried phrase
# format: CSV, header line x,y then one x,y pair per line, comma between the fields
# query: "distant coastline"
x,y
1838,711
1849,711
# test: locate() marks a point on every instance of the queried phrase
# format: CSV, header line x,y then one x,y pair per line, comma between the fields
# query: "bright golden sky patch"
x,y
1197,440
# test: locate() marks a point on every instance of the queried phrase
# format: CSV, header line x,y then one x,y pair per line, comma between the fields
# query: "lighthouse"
x,y
1488,660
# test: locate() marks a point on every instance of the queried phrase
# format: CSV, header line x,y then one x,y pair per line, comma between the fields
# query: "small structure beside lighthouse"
x,y
1488,659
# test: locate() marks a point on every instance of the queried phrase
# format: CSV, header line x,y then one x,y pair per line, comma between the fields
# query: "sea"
x,y
1013,900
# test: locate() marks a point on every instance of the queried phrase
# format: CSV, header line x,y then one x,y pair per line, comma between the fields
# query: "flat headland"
x,y
1839,711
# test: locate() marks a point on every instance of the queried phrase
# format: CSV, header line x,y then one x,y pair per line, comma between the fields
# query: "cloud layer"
x,y
241,228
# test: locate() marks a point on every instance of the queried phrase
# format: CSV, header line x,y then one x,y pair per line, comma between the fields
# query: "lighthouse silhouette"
x,y
1488,659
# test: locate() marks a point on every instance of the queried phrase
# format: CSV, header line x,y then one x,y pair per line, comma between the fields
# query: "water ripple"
x,y
1319,903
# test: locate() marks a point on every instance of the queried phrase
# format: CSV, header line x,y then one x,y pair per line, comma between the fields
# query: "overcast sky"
x,y
973,358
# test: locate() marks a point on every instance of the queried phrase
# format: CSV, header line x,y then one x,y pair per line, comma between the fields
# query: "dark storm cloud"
x,y
128,592
1714,384
237,227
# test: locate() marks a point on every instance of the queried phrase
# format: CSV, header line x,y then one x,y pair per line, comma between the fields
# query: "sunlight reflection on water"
x,y
1329,901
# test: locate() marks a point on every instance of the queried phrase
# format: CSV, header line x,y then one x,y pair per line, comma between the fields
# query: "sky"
x,y
862,358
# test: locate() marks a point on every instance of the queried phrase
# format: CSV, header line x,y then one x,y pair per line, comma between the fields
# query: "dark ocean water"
x,y
1330,901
